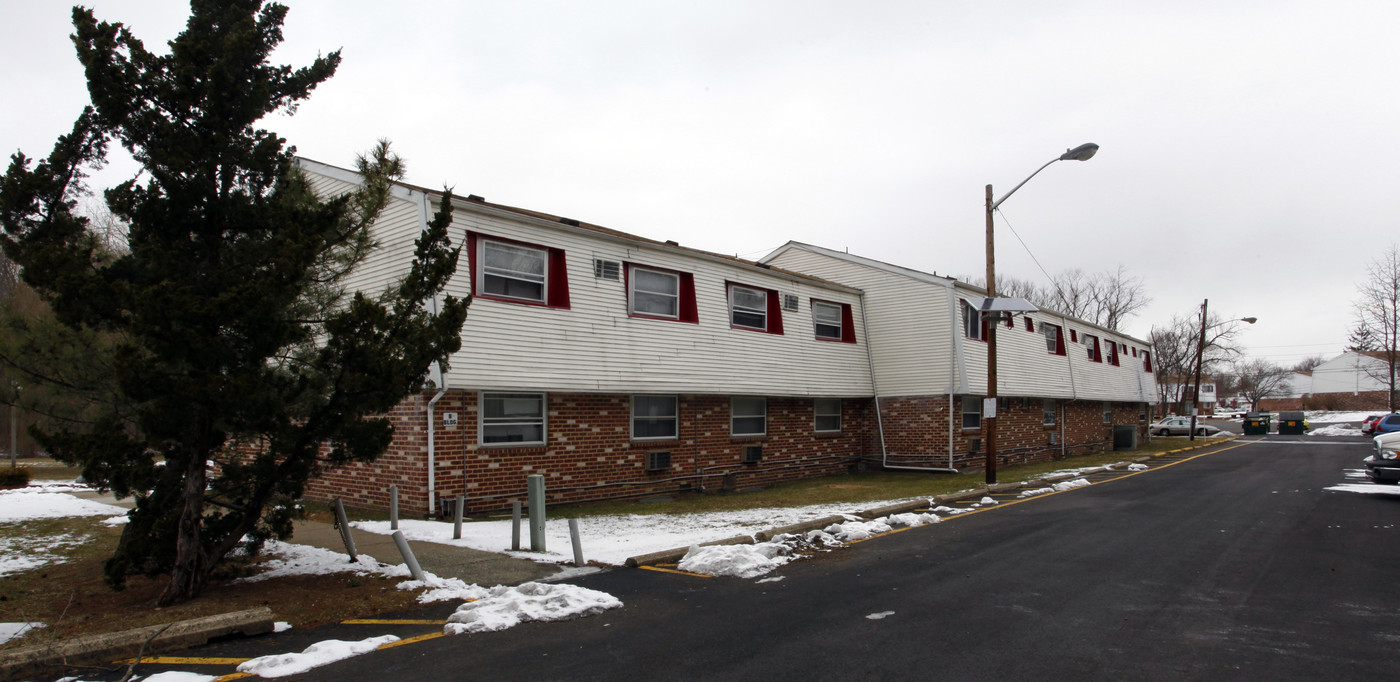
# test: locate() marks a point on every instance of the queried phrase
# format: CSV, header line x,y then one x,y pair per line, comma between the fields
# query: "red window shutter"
x,y
775,313
848,324
689,311
558,280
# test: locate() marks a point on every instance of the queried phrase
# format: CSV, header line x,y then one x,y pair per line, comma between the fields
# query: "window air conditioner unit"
x,y
607,269
1054,438
974,445
790,302
658,461
752,454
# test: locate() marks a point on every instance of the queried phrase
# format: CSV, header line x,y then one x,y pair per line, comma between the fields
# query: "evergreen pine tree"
x,y
228,321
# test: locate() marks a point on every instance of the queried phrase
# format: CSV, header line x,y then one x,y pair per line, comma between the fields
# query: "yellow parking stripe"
x,y
413,640
233,676
379,621
658,569
185,660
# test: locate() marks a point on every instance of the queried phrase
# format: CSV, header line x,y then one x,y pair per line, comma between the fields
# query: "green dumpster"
x,y
1256,424
1292,423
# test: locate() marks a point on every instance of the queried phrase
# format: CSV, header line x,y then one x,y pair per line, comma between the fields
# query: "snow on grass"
x,y
22,504
314,656
612,539
507,607
9,631
1325,417
1336,430
24,553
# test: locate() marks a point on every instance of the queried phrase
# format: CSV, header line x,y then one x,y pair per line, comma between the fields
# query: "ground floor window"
x,y
654,417
1108,413
748,416
1050,409
828,415
971,412
514,418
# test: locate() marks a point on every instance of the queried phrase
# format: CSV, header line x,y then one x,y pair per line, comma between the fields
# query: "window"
x,y
1146,361
1050,410
1054,338
1112,352
748,416
833,321
513,418
827,319
1108,413
972,321
506,270
1030,326
1073,336
655,293
971,412
755,308
1091,344
654,417
828,415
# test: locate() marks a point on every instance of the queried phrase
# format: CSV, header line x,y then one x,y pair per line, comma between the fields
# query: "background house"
x,y
1351,381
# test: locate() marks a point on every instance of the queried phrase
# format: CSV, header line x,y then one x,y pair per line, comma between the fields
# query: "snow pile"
x,y
1137,466
739,561
21,504
507,607
441,589
175,676
852,531
9,631
1035,491
314,656
292,559
1336,430
881,615
911,520
1366,488
1071,485
985,502
949,511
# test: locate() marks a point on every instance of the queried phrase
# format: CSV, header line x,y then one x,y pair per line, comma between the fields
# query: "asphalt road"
x,y
1231,565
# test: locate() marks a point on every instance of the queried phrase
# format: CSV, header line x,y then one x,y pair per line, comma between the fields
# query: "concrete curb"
x,y
106,648
671,556
814,524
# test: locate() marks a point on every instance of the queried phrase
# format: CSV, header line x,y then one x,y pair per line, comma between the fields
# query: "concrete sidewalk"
x,y
486,569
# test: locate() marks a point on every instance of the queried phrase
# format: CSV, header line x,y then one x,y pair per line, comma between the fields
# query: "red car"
x,y
1368,425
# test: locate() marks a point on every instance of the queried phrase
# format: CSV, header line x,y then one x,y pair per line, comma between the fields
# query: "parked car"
x,y
1383,466
1180,426
1388,424
1368,425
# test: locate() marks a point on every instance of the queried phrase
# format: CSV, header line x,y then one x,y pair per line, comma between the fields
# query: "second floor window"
x,y
1052,338
827,318
655,293
514,271
748,307
972,321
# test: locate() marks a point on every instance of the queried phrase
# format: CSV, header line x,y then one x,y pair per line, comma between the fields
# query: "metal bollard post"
x,y
536,486
393,507
457,517
515,525
344,526
408,557
578,543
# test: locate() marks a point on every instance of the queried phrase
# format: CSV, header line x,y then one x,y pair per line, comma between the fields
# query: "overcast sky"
x,y
1249,149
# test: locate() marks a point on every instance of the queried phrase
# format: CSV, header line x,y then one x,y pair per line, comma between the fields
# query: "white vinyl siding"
x,y
748,416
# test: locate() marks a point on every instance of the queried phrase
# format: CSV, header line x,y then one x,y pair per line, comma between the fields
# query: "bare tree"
x,y
1174,354
1260,379
1378,313
1307,364
1116,296
1107,299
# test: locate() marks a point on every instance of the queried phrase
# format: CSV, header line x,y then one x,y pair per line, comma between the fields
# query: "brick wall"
x,y
916,431
589,454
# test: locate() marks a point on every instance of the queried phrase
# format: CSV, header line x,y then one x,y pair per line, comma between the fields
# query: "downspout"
x,y
874,386
955,360
436,373
1073,389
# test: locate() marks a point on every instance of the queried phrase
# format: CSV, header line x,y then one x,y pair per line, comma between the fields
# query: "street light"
x,y
1200,351
1083,152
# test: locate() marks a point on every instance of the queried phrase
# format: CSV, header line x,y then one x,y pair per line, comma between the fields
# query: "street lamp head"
x,y
1083,152
1250,320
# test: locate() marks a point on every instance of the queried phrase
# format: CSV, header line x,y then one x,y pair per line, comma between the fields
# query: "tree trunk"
x,y
191,569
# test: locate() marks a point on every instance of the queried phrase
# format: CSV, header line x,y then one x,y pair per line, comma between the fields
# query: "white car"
x,y
1180,426
1384,465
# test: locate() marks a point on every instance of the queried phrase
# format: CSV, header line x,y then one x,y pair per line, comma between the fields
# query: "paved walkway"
x,y
486,569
